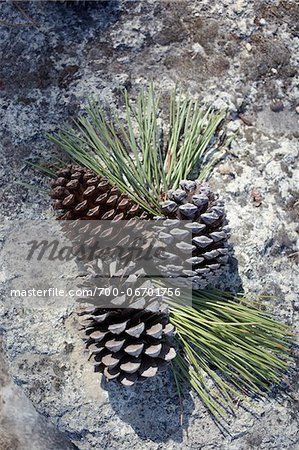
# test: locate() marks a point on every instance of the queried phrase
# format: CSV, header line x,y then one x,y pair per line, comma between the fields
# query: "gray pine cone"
x,y
128,344
203,259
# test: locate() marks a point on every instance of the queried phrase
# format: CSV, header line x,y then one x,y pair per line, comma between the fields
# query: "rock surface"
x,y
47,70
21,426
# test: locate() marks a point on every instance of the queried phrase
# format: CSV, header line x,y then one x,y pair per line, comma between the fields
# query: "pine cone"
x,y
128,344
120,288
83,198
80,194
196,202
133,343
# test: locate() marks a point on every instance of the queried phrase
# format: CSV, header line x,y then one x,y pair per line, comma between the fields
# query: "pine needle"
x,y
129,152
32,187
232,350
43,168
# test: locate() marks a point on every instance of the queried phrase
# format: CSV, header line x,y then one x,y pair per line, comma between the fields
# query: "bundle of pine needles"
x,y
223,338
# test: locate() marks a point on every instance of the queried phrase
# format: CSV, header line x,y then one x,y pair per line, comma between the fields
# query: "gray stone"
x,y
47,71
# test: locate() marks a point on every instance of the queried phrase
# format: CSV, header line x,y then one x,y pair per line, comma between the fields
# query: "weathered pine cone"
x,y
80,194
128,344
208,252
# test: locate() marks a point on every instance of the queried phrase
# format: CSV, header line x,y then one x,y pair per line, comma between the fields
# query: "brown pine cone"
x,y
80,194
128,344
203,259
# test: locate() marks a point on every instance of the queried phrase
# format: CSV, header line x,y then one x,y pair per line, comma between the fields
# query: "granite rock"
x,y
47,71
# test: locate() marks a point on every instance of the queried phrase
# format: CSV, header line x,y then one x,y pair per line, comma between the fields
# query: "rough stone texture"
x,y
21,426
46,72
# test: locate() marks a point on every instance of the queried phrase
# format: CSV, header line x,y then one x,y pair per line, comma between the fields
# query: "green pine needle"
x,y
129,151
43,168
231,350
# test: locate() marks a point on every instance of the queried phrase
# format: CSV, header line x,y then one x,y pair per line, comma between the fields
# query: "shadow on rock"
x,y
152,408
230,279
